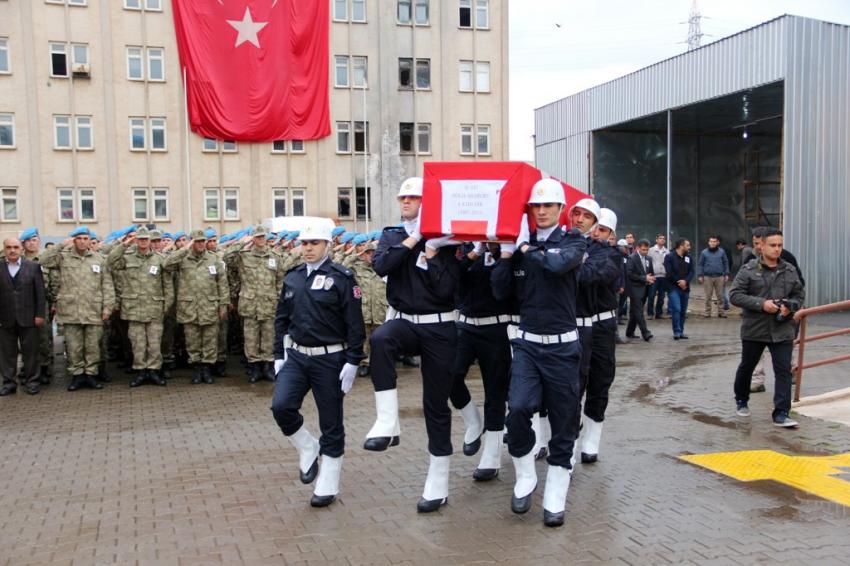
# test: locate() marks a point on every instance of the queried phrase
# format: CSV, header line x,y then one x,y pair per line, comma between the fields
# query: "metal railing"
x,y
801,317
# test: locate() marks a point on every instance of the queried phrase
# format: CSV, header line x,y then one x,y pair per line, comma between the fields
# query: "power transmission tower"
x,y
694,30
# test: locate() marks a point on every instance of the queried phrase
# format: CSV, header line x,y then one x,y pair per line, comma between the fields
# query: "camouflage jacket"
x,y
373,289
147,291
260,274
201,286
82,285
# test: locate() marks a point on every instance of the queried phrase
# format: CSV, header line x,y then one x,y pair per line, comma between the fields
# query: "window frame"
x,y
411,126
349,138
410,61
334,15
149,58
341,63
73,52
353,75
292,148
282,150
420,126
466,67
467,130
415,18
212,193
137,195
399,20
344,194
78,127
465,5
53,50
298,194
76,196
478,66
363,3
164,128
416,64
57,118
360,193
166,197
70,197
478,132
230,193
141,59
364,132
5,48
8,119
144,130
81,196
229,146
477,9
205,149
4,198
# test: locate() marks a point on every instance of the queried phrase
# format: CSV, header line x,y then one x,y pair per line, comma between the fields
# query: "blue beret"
x,y
337,231
296,244
210,233
178,235
92,235
81,231
347,237
375,235
295,233
360,239
224,238
28,233
168,235
271,236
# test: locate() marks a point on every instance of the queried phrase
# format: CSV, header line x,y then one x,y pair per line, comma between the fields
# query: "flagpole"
x,y
188,154
365,156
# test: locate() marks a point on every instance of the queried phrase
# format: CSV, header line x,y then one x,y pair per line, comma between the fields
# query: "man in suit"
x,y
639,275
21,315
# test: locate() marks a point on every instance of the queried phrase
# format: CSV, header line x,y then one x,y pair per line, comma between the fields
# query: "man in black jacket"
x,y
639,276
679,270
22,309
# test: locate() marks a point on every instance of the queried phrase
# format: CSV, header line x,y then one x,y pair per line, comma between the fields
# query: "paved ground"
x,y
201,475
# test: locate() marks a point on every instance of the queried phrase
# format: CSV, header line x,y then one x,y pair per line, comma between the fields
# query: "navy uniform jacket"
x,y
544,281
320,310
599,277
416,285
636,275
475,297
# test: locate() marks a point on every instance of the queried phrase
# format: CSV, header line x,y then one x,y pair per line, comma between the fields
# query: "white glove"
x,y
346,376
524,234
508,248
278,365
437,243
480,248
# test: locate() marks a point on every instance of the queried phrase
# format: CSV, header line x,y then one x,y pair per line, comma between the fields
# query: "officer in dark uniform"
x,y
482,334
421,285
318,345
543,275
601,272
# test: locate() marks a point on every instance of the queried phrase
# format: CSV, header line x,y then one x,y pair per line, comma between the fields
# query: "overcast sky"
x,y
560,47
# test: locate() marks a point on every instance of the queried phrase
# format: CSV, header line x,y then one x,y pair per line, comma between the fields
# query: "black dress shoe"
x,y
322,500
553,519
91,381
675,337
647,338
76,383
471,449
311,473
409,362
363,371
683,337
630,335
520,505
485,474
140,379
7,390
430,505
155,377
380,443
588,458
33,390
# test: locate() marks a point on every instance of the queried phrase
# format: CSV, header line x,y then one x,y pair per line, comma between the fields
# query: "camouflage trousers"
x,y
201,342
45,343
169,329
367,348
259,339
83,346
221,344
146,338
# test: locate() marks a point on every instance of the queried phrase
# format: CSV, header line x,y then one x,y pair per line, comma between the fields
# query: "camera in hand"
x,y
781,303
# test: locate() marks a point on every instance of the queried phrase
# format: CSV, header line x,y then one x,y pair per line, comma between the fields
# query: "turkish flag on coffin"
x,y
256,70
480,200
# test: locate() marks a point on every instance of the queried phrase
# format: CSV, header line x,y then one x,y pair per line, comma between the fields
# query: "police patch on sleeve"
x,y
358,294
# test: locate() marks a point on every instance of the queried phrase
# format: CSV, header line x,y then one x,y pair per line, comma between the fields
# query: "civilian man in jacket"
x,y
656,254
22,309
639,276
713,272
679,271
769,292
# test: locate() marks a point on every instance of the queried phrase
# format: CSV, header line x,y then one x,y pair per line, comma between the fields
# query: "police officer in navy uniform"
x,y
482,335
544,275
319,336
601,271
421,286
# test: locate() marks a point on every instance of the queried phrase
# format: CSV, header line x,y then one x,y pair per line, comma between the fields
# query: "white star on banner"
x,y
247,29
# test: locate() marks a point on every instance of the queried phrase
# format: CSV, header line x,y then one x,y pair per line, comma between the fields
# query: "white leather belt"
x,y
428,318
564,338
515,319
484,321
318,350
604,316
585,321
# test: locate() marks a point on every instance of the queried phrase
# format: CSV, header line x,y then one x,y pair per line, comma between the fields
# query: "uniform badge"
x,y
288,295
584,257
153,270
95,268
489,259
554,250
329,282
687,259
422,261
318,282
358,294
212,270
272,263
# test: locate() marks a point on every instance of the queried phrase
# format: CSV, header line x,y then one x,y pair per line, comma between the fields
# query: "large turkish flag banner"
x,y
256,70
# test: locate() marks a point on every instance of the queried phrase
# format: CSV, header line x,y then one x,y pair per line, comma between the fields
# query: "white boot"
x,y
436,490
474,428
327,486
526,483
308,453
542,435
491,457
384,433
555,495
590,440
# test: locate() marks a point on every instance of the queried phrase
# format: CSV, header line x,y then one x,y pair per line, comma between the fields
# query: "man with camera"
x,y
769,291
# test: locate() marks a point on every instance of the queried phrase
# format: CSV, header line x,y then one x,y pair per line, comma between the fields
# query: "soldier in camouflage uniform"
x,y
260,272
148,294
202,299
374,290
220,365
85,299
32,248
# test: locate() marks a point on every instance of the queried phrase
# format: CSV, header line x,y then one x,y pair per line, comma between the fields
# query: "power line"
x,y
694,30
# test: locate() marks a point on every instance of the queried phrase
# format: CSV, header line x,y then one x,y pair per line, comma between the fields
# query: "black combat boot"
x,y
253,372
197,373
207,373
155,377
269,370
141,377
102,374
218,369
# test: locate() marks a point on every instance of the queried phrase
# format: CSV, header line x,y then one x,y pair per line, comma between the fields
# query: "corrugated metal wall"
x,y
813,58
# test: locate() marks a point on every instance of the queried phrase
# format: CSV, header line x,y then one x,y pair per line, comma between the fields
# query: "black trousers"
x,y
490,346
300,374
27,337
436,344
636,317
549,372
780,354
603,362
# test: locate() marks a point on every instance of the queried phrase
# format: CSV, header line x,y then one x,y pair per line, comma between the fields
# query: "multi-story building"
x,y
93,127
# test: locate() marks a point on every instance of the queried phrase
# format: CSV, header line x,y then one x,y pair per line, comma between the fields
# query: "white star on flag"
x,y
247,29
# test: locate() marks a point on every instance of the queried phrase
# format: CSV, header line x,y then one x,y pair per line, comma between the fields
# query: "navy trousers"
x,y
603,362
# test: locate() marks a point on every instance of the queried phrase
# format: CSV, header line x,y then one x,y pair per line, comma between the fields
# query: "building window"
x,y
364,204
465,76
405,137
299,201
423,73
296,146
482,76
228,146
361,137
158,134
84,137
343,202
465,14
414,138
359,71
79,56
152,5
405,73
280,204
343,137
423,139
483,140
61,132
279,146
209,145
58,60
7,130
211,204
135,70
150,204
341,10
422,9
404,11
70,2
482,14
231,204
156,64
76,205
148,133
289,202
216,200
341,71
466,140
140,205
358,10
5,59
9,205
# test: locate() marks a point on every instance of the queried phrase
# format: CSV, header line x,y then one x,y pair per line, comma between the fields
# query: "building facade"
x,y
93,129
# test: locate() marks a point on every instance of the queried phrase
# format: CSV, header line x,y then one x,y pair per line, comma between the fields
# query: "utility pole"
x,y
694,30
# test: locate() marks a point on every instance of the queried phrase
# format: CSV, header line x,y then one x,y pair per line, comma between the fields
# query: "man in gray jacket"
x,y
713,272
769,291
